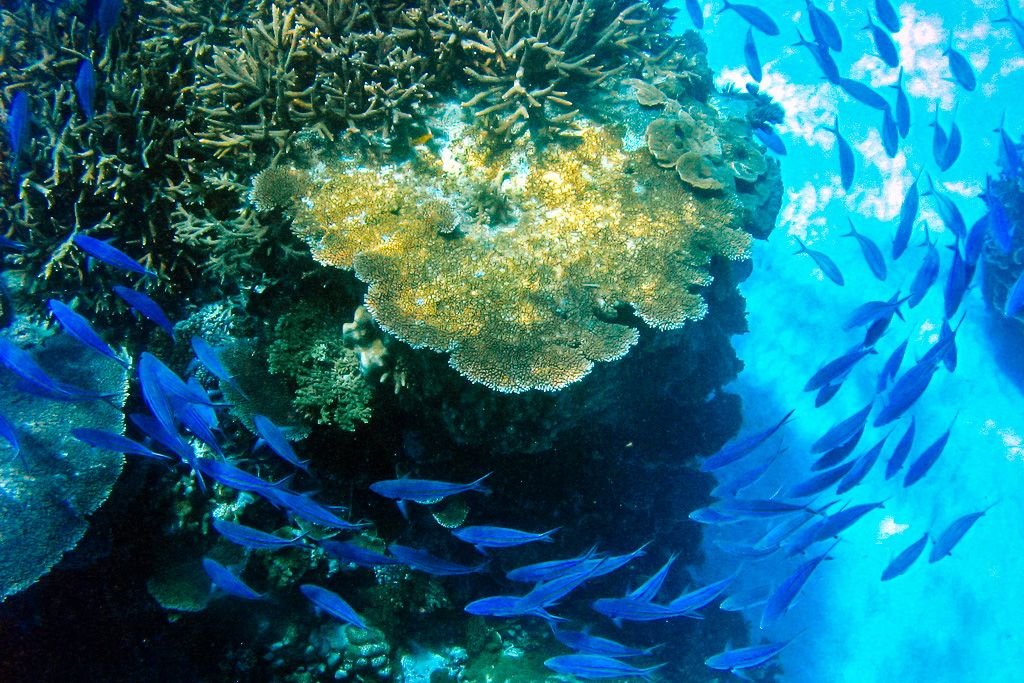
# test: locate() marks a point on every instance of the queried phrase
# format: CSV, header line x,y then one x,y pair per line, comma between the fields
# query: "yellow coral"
x,y
528,297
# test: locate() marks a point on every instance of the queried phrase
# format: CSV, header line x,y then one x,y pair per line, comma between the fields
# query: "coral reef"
x,y
1002,270
49,491
308,350
553,245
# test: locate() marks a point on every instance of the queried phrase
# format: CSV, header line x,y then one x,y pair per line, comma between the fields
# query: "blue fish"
x,y
109,254
837,368
757,507
887,15
871,311
944,350
111,441
846,160
819,482
750,56
1015,24
712,517
892,365
902,562
745,657
107,14
824,29
696,13
225,580
593,667
1009,155
883,43
927,272
1015,298
827,265
551,569
36,380
173,442
745,600
827,393
10,434
208,356
425,491
648,590
840,521
500,537
332,603
902,109
940,140
861,467
701,597
248,537
85,87
631,609
770,139
754,16
864,94
739,448
975,242
349,552
732,486
7,244
905,392
836,455
998,220
900,453
549,593
928,457
821,55
950,152
276,439
956,282
960,68
947,540
842,431
19,122
79,328
146,307
948,211
890,134
872,254
193,420
744,550
584,643
506,606
423,561
302,506
229,475
783,596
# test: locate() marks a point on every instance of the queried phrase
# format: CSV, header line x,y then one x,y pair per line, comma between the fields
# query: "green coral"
x,y
309,351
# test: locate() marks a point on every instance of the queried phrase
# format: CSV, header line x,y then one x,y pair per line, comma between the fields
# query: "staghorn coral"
x,y
135,171
530,55
532,302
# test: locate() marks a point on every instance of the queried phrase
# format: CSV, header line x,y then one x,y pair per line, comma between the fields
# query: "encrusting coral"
x,y
532,295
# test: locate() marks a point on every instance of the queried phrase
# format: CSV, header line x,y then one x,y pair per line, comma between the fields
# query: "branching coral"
x,y
533,298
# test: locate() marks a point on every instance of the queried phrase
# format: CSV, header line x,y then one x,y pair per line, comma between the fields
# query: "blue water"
x,y
958,619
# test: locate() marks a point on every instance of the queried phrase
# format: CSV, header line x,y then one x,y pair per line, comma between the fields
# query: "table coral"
x,y
532,295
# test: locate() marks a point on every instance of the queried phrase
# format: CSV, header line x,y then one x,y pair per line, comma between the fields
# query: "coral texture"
x,y
553,245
